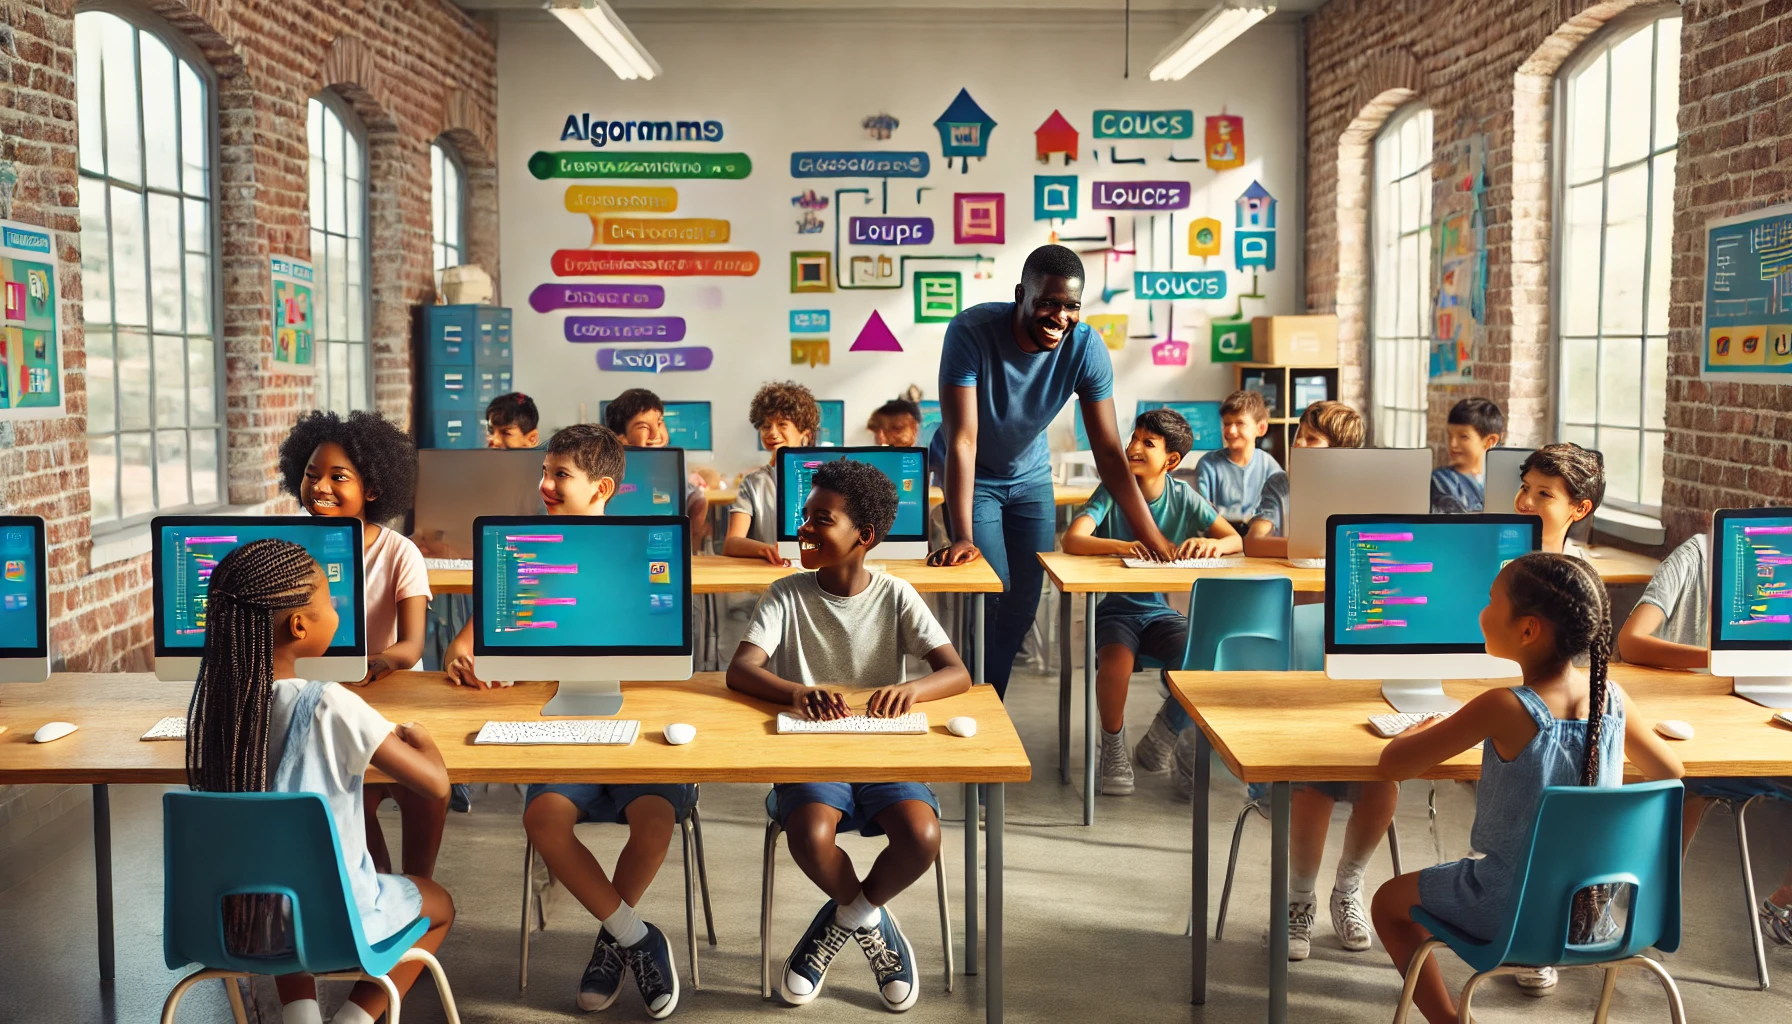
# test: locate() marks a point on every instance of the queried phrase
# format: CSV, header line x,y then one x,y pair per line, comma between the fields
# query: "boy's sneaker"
x,y
808,964
655,973
1349,920
1776,922
460,798
1537,981
892,961
1300,931
602,982
1182,765
1116,767
1155,750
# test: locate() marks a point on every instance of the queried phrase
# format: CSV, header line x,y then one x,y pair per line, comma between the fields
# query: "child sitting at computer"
x,y
1231,478
254,726
638,417
362,467
1475,425
786,416
827,644
1561,727
512,421
1127,625
1322,425
896,424
1560,484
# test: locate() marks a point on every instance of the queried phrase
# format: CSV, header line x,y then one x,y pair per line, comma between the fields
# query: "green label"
x,y
640,165
1144,124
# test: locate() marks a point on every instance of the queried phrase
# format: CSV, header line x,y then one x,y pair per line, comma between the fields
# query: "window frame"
x,y
450,159
1392,125
352,127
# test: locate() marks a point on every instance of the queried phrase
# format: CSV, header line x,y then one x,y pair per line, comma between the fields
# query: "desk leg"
x,y
1065,607
1198,880
992,986
102,875
1091,717
1280,807
712,605
977,638
970,878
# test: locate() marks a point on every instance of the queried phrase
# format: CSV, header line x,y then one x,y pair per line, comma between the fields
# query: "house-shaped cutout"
x,y
964,130
1257,208
1055,136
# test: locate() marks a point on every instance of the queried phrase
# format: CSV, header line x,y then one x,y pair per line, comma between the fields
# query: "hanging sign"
x,y
545,165
548,297
890,231
1179,284
1144,124
875,164
1140,195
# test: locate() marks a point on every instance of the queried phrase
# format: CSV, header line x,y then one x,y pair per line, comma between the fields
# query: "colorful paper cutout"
x,y
1231,341
869,271
654,360
1179,284
938,296
1054,197
1257,208
1204,237
1140,195
811,272
1111,327
620,199
678,263
658,231
876,336
1055,135
1254,249
586,164
810,223
548,297
295,315
1169,352
979,217
1225,141
964,131
810,321
814,351
624,328
890,231
880,126
846,164
1144,124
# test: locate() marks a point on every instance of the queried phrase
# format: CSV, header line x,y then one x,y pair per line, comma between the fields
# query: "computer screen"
x,y
1416,584
930,421
23,588
906,468
652,483
188,548
581,586
833,424
687,424
1752,579
1203,419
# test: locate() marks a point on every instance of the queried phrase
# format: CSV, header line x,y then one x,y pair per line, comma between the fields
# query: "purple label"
x,y
625,328
548,297
652,360
1141,195
891,231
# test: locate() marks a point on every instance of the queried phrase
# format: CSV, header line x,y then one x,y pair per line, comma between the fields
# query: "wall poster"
x,y
31,345
1459,260
1748,297
294,328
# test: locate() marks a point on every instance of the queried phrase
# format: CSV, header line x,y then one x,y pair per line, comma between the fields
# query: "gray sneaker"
x,y
1154,751
1182,765
1116,768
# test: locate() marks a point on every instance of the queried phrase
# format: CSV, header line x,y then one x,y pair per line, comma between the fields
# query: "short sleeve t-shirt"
x,y
860,642
1272,508
1455,491
1681,588
1233,489
757,499
395,571
1018,393
1179,512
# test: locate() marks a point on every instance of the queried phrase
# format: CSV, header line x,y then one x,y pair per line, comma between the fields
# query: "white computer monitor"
x,y
1403,599
185,549
455,487
1326,482
1503,477
906,468
24,601
652,483
585,600
1751,602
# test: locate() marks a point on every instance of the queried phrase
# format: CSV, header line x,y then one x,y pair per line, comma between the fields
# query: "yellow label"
x,y
657,231
596,199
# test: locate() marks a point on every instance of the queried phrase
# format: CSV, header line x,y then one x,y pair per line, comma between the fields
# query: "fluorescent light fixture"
x,y
1208,36
598,27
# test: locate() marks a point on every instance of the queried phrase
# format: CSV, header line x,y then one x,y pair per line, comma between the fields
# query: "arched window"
x,y
1616,108
339,254
447,204
148,245
1400,318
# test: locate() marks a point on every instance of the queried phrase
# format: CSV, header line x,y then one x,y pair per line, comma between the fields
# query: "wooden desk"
x,y
716,574
1618,567
1283,727
736,741
1063,495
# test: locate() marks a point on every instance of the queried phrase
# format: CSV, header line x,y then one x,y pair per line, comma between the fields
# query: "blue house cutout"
x,y
964,130
1257,208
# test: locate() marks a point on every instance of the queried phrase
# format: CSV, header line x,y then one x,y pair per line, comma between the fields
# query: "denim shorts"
x,y
1163,636
609,804
1345,792
858,802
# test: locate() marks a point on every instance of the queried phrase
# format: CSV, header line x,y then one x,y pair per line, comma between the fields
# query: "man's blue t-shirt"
x,y
1018,393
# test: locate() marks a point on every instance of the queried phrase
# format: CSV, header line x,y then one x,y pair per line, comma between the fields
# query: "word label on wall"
x,y
548,297
810,321
658,231
546,165
649,360
858,165
620,199
890,231
1144,124
1179,284
624,328
599,131
1140,195
603,263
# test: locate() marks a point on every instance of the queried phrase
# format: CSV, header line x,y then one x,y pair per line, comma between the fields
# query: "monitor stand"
x,y
1418,696
1767,691
585,698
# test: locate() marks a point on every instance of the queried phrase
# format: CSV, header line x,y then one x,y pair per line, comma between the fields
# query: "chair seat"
x,y
1484,956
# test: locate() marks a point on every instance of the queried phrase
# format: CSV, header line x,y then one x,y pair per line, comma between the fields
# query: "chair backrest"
x,y
223,844
1309,638
1219,608
1587,836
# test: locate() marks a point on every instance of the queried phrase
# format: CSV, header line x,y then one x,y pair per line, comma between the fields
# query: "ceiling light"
x,y
1207,37
598,27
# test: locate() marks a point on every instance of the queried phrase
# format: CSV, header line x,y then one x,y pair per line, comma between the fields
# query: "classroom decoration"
x,y
1257,208
599,131
624,328
874,164
938,296
1204,237
810,321
1459,266
31,345
880,126
1169,352
596,199
809,223
548,297
869,272
1748,297
1179,284
811,272
890,231
979,217
546,165
1139,195
876,336
1231,341
1054,197
1111,327
675,263
1225,142
651,360
657,231
1055,135
294,326
964,131
814,351
1144,124
1255,247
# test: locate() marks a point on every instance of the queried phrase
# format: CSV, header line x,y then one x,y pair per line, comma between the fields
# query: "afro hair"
x,y
382,454
870,496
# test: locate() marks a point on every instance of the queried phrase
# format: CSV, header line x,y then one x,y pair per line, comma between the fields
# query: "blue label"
x,y
1179,284
31,241
858,165
810,321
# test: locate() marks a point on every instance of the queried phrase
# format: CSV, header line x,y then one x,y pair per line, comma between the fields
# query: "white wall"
x,y
781,83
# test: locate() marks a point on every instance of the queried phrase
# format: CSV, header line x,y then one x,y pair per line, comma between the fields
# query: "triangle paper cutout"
x,y
876,336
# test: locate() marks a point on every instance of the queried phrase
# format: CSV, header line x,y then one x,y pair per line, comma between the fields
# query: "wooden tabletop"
x,y
736,741
1061,495
1617,566
715,574
1301,726
1107,574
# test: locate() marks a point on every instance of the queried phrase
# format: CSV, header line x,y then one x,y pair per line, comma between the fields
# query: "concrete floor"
x,y
1094,917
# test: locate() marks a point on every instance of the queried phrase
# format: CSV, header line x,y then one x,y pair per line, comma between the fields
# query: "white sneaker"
x,y
1538,981
1300,931
1349,921
1116,767
1157,747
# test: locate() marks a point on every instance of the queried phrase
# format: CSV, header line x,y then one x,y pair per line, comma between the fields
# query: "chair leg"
x,y
1437,843
1412,979
522,963
1605,993
449,1008
179,992
1676,1008
1468,996
233,992
769,875
1219,928
1748,888
393,999
709,920
690,901
1394,847
939,875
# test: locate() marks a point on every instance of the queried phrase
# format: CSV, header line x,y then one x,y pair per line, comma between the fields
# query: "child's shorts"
x,y
609,804
1163,637
1346,792
1741,789
859,803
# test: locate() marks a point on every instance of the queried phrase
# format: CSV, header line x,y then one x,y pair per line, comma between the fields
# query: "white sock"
x,y
1298,882
860,913
1306,895
625,926
299,1011
1350,872
351,1013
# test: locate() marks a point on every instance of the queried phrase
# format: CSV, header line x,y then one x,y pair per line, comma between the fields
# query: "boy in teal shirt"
x,y
1128,625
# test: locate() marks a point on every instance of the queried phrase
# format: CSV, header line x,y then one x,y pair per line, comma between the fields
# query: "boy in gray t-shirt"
x,y
1670,626
831,643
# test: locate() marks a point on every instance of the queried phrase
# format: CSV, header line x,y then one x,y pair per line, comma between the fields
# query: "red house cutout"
x,y
1055,136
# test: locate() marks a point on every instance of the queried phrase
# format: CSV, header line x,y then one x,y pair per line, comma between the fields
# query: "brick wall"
x,y
413,70
1488,69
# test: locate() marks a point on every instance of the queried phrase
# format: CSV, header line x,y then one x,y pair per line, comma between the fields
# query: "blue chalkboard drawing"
x,y
964,131
1748,296
1055,136
1054,197
1257,208
880,126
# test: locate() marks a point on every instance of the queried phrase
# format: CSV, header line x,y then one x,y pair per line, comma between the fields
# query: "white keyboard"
x,y
1186,563
1307,563
605,732
1389,726
170,728
448,563
911,724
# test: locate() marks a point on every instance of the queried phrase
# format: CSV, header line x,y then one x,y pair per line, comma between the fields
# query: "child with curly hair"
x,y
786,416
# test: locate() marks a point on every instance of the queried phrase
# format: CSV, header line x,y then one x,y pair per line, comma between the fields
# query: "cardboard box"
x,y
1295,340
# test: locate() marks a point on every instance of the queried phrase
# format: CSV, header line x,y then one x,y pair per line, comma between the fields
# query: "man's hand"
x,y
960,552
1160,549
890,702
820,703
1136,550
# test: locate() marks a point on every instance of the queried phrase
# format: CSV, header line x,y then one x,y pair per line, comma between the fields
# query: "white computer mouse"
x,y
678,733
1674,729
49,732
963,725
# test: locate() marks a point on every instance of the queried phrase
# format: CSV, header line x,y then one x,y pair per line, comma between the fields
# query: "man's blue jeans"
x,y
1011,523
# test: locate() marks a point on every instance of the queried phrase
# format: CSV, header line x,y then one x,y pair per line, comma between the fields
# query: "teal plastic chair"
x,y
1309,638
228,844
1582,836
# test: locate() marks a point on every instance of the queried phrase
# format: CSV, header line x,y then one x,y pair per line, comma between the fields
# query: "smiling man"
x,y
1006,372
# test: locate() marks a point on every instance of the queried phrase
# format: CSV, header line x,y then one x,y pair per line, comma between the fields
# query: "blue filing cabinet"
x,y
466,363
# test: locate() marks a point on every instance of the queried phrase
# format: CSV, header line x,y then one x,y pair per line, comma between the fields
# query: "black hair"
x,y
1052,261
899,407
383,455
1581,469
592,447
1169,425
870,496
628,405
1479,413
513,410
788,399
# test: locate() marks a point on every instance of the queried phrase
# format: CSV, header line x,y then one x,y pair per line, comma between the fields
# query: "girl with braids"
x,y
1563,726
254,726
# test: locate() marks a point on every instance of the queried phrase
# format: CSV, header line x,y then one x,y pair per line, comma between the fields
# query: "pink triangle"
x,y
876,336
